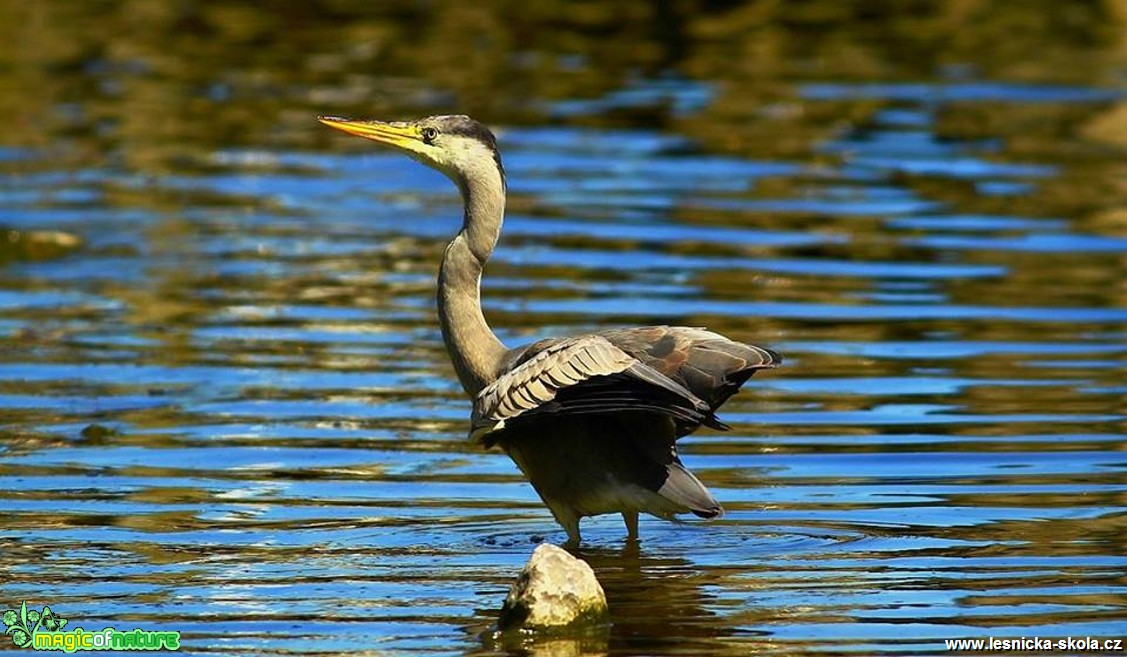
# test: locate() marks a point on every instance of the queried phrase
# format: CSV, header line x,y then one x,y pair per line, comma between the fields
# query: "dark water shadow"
x,y
659,604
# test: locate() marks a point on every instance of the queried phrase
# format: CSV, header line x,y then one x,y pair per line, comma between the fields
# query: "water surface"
x,y
225,407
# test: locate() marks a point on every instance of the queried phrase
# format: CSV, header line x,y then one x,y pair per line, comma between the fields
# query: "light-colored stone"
x,y
553,591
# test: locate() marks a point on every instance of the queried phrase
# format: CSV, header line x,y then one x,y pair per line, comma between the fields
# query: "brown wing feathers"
x,y
683,373
626,392
581,375
715,370
711,366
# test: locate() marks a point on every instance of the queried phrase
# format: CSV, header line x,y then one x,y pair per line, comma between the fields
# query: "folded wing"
x,y
582,375
708,364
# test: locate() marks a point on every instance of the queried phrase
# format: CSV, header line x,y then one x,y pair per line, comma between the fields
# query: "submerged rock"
x,y
553,591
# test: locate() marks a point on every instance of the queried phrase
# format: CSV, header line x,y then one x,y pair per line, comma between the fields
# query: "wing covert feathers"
x,y
711,366
587,374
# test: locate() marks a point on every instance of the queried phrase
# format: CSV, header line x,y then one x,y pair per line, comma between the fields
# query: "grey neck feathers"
x,y
474,348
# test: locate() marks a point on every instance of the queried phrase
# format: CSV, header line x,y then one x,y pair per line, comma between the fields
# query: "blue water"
x,y
229,412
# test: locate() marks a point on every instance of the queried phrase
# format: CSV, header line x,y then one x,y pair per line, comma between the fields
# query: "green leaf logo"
x,y
21,638
23,625
51,621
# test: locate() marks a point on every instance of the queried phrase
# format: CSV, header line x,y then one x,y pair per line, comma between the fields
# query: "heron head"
x,y
456,145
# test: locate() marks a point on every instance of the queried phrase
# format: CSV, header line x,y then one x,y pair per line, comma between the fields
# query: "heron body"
x,y
591,420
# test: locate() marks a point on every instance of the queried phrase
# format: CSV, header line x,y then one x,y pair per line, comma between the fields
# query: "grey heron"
x,y
591,420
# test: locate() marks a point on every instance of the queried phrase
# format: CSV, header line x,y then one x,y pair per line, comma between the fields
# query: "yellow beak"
x,y
396,134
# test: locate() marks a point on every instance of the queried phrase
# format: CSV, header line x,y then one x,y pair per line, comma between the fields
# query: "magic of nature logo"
x,y
44,630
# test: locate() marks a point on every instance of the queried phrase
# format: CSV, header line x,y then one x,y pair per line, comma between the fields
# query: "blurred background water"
x,y
225,407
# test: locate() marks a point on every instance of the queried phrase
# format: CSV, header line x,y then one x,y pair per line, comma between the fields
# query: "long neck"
x,y
474,348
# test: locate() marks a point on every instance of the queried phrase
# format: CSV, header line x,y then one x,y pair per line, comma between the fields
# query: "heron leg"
x,y
573,533
631,519
569,521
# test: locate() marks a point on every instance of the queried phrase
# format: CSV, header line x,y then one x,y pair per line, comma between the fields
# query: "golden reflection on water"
x,y
222,391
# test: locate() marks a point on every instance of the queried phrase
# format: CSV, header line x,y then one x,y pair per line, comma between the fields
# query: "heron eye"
x,y
429,134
